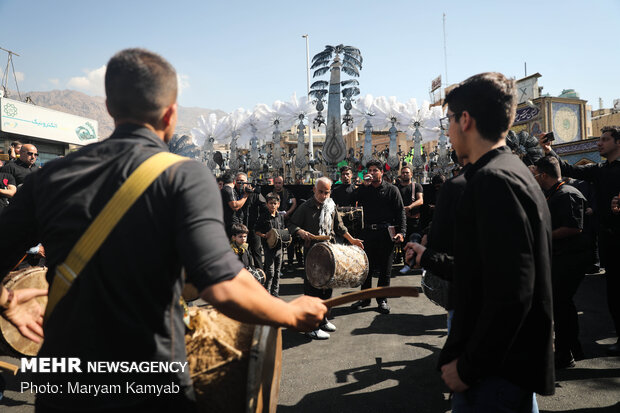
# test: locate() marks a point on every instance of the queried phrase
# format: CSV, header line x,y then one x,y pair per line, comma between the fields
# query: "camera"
x,y
548,137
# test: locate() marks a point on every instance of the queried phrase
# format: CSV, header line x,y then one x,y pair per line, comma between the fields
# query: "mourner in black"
x,y
23,166
606,179
383,208
271,219
248,215
124,305
310,219
342,193
502,330
569,257
412,194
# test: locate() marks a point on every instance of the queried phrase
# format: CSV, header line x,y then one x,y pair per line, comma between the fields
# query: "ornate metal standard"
x,y
276,160
300,159
334,148
418,162
255,166
393,158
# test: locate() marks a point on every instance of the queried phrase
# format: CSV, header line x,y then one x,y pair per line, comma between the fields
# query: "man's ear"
x,y
466,121
169,114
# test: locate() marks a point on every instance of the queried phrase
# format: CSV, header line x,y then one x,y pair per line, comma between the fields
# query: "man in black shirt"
x,y
383,208
569,256
124,306
341,194
606,179
413,199
501,335
24,166
248,215
318,216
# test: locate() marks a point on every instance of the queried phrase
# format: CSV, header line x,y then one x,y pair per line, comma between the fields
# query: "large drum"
x,y
235,367
336,265
13,343
353,219
278,238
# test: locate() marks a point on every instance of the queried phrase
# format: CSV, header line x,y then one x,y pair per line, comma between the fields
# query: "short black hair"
x,y
438,179
614,130
139,84
490,98
237,229
345,168
549,165
374,162
228,178
272,195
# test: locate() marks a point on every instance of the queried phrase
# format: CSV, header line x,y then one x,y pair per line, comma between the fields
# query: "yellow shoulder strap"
x,y
105,222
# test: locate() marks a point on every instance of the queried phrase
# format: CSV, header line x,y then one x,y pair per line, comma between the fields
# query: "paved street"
x,y
386,363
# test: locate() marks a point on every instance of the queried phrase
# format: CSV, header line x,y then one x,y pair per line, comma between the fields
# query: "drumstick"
x,y
383,292
319,237
9,366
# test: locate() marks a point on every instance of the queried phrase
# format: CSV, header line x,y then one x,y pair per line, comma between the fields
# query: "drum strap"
x,y
104,223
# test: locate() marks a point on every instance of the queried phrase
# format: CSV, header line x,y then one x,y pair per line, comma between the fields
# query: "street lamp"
x,y
310,143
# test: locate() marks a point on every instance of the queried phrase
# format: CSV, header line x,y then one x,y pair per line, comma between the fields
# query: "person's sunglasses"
x,y
32,154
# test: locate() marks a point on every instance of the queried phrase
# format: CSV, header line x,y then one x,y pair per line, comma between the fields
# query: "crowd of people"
x,y
511,242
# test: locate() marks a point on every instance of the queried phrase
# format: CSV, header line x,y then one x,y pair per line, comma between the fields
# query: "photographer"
x,y
232,202
254,204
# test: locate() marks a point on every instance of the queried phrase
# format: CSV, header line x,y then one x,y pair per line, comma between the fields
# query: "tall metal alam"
x,y
334,148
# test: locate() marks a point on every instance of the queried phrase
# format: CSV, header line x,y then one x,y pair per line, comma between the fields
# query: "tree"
x,y
334,149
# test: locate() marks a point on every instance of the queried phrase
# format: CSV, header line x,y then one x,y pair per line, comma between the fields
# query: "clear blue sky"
x,y
234,54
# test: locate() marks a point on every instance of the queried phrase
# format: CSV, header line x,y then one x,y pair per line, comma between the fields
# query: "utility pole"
x,y
310,143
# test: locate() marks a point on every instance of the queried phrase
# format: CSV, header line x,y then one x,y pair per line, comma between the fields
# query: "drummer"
x,y
272,219
318,216
124,306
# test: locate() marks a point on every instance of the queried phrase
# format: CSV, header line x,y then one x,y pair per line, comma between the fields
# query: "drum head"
x,y
12,341
272,238
320,265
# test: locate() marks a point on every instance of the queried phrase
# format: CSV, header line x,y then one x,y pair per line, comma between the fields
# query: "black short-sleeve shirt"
x,y
567,206
124,306
408,196
228,195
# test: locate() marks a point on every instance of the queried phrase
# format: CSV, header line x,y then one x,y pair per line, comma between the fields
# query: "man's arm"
x,y
9,192
588,172
290,211
237,205
401,217
244,299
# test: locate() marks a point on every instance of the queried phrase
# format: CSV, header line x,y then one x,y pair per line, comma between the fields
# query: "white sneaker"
x,y
318,335
405,269
327,326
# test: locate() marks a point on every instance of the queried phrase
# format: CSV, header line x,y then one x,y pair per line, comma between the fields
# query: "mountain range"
x,y
93,107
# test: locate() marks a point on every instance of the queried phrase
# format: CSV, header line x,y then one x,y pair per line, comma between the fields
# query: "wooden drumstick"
x,y
383,292
8,366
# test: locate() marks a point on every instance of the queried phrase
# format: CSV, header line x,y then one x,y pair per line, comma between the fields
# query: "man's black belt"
x,y
376,227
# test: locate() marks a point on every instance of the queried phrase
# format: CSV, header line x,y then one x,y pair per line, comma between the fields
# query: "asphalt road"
x,y
387,363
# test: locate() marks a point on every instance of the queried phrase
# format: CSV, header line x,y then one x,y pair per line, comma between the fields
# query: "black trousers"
x,y
567,272
256,249
609,248
379,248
